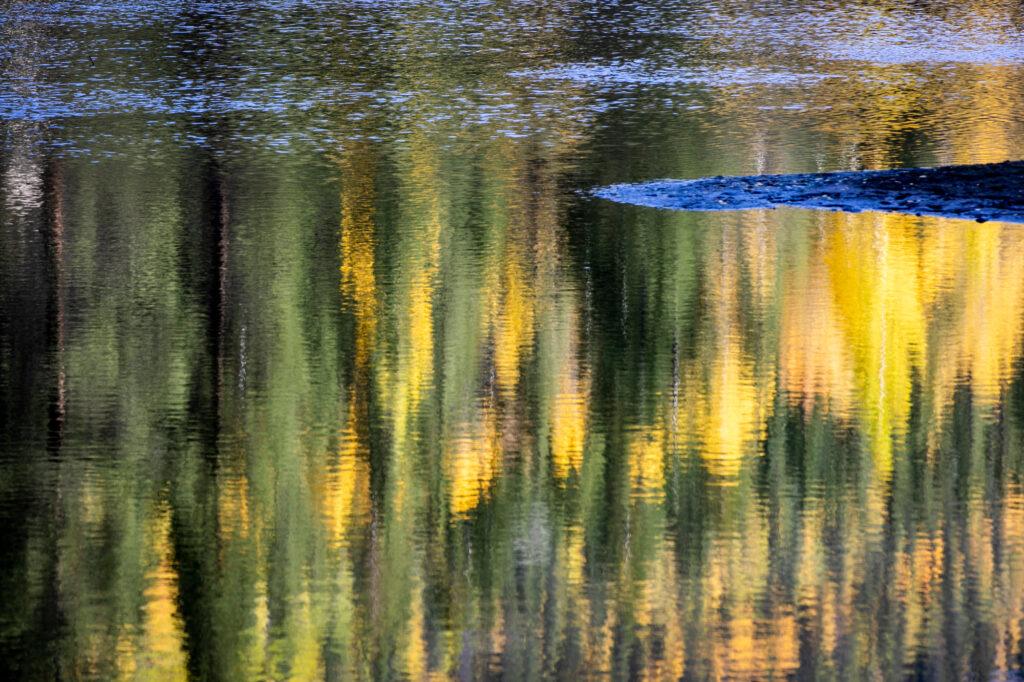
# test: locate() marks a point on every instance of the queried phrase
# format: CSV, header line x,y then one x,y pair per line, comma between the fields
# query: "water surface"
x,y
318,361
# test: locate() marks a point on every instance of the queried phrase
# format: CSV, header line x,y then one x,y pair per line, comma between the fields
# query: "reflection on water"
x,y
351,382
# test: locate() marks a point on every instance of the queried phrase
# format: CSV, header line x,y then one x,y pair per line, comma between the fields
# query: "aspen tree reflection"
x,y
317,363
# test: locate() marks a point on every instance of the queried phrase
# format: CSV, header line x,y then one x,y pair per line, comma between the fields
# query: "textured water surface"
x,y
319,360
979,192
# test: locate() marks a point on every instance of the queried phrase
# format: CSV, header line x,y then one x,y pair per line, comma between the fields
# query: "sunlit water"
x,y
317,360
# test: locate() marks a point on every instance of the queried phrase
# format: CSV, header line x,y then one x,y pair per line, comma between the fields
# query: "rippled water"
x,y
317,360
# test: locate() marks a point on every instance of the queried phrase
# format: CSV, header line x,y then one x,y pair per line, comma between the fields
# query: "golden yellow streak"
x,y
162,650
473,460
570,406
358,249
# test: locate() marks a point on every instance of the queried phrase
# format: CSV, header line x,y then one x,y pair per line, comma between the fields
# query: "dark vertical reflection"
x,y
195,559
53,189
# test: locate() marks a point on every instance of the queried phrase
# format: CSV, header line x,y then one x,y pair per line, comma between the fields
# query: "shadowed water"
x,y
980,192
318,361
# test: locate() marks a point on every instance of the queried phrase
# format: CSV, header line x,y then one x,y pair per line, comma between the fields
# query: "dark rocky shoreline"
x,y
978,192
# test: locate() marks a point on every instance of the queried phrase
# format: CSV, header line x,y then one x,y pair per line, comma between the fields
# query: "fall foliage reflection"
x,y
412,407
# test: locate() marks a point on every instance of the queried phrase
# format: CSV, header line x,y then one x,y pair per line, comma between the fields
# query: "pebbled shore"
x,y
980,192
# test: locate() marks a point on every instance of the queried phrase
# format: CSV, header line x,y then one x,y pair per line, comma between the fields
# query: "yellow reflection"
x,y
358,278
658,613
874,267
985,273
513,332
474,459
162,653
416,663
730,415
889,300
568,428
569,409
233,513
727,394
918,576
344,489
645,449
345,486
988,139
403,383
814,358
